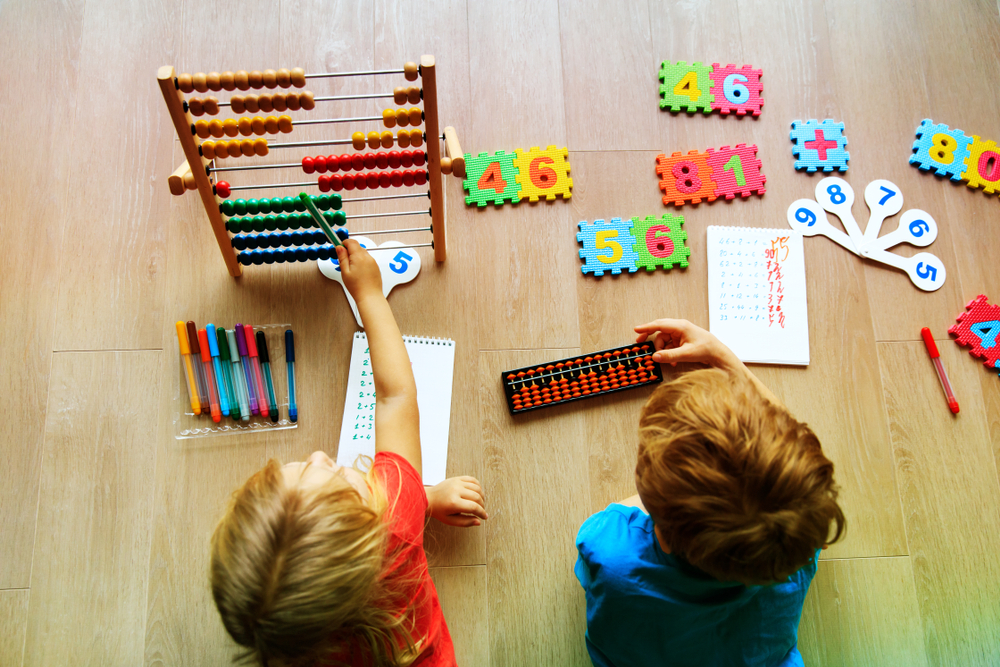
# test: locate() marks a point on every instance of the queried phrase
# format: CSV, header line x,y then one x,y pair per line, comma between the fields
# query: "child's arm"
x,y
681,341
457,501
397,421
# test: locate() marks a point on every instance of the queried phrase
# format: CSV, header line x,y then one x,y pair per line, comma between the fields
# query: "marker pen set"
x,y
228,372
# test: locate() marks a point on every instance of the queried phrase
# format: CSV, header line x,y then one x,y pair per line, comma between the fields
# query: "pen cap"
x,y
206,355
223,344
182,338
289,345
234,349
193,337
251,343
262,348
213,339
925,333
241,341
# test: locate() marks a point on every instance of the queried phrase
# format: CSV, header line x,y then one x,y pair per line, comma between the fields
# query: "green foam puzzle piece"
x,y
487,184
672,74
660,242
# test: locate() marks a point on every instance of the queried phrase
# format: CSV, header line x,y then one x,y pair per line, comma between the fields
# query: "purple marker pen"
x,y
241,344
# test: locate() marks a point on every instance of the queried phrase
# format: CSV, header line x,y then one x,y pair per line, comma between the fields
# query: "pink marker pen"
x,y
258,378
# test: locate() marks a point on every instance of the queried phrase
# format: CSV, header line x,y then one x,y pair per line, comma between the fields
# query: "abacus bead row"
x,y
284,239
372,180
401,95
259,257
242,79
361,161
402,117
272,222
234,148
254,103
404,139
278,205
245,126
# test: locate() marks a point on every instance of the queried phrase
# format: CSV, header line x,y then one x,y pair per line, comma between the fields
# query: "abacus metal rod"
x,y
299,144
393,231
233,188
387,215
337,98
254,166
326,75
318,121
414,194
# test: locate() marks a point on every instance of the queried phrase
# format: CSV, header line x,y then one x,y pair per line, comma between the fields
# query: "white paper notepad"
x,y
757,294
433,363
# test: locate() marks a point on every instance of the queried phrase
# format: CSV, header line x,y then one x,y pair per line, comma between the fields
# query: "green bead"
x,y
257,224
252,206
294,221
340,218
299,205
270,223
329,218
232,225
281,221
226,207
246,225
264,205
240,206
288,204
322,202
336,201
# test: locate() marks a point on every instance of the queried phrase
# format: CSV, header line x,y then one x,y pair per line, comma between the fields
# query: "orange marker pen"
x,y
206,360
182,342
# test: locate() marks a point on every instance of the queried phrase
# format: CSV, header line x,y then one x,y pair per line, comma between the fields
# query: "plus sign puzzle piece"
x,y
685,178
979,329
543,173
607,246
491,179
736,171
736,89
819,145
940,148
686,87
660,242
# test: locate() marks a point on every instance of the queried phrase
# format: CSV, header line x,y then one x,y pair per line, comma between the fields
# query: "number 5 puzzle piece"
x,y
685,178
607,246
491,179
543,173
736,171
660,242
686,87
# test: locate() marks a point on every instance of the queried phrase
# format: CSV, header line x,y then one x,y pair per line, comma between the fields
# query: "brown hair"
x,y
734,483
300,577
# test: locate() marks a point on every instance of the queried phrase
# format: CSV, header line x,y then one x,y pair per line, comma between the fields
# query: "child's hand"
x,y
362,275
681,341
457,501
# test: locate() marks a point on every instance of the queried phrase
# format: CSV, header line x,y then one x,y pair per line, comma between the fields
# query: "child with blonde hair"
x,y
317,564
710,563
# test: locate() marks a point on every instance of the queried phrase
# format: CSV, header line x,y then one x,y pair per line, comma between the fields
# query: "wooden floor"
x,y
105,517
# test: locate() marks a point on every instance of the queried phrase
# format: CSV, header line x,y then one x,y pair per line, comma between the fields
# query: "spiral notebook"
x,y
757,294
433,364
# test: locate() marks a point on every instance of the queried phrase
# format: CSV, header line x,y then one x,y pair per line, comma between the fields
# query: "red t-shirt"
x,y
406,514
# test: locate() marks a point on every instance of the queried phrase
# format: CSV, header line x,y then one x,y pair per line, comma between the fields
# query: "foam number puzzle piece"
x,y
940,148
543,173
396,264
736,89
982,165
607,246
491,179
686,87
660,242
736,171
685,178
979,329
819,145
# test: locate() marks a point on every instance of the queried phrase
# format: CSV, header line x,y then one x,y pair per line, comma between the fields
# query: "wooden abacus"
x,y
205,142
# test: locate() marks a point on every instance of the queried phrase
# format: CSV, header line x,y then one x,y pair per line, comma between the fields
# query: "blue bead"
x,y
244,258
258,257
325,252
269,257
312,253
239,243
300,255
297,238
343,233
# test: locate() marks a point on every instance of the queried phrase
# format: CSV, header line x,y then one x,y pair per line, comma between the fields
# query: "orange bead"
x,y
208,149
201,129
242,80
251,103
411,71
246,126
214,81
256,79
416,138
374,139
211,105
230,127
402,117
270,78
271,123
185,85
279,101
292,101
246,147
308,101
285,124
215,127
399,95
265,103
195,106
416,116
228,81
283,77
414,95
237,104
259,125
234,146
260,147
386,139
200,82
298,77
358,140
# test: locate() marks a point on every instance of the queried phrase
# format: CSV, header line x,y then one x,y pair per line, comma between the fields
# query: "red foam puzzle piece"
x,y
728,175
685,178
979,311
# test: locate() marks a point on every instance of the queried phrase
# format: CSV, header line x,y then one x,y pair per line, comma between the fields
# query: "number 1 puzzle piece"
x,y
607,246
543,173
491,179
736,171
736,89
983,166
685,178
940,148
660,242
819,145
979,329
686,87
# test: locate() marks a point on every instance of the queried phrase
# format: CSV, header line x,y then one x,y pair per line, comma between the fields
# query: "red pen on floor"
x,y
925,333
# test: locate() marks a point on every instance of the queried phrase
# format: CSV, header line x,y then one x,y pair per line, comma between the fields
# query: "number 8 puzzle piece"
x,y
685,178
543,173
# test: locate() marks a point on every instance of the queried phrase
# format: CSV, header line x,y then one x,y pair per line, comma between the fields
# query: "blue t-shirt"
x,y
646,607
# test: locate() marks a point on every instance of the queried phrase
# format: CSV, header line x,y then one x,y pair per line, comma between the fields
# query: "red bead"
x,y
394,159
360,181
320,163
222,189
406,158
308,165
348,182
420,177
407,178
384,180
358,161
369,160
396,178
382,160
337,182
418,158
372,178
345,162
324,183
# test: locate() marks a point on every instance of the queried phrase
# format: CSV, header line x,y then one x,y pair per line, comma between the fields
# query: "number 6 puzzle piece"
x,y
491,179
979,329
736,89
543,173
685,178
736,171
607,246
660,242
396,268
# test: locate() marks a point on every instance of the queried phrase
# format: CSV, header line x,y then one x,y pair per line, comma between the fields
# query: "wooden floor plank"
x,y
13,625
462,592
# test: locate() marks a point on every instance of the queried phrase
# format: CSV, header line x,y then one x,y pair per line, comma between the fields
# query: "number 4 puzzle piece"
x,y
686,87
736,171
607,246
685,178
979,329
543,173
660,242
491,179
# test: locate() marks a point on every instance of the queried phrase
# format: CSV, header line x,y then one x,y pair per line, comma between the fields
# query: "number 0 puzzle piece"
x,y
543,173
736,89
940,148
819,145
491,179
685,178
979,329
686,87
736,171
982,166
607,246
660,242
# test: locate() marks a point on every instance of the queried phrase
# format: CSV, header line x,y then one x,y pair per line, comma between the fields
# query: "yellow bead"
x,y
403,139
246,126
374,139
208,149
285,123
259,125
260,147
231,127
215,127
386,139
201,129
416,117
416,138
298,77
402,117
389,118
358,140
411,71
272,124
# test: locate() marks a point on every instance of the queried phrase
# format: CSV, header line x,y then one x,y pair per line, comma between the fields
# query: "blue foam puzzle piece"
x,y
593,256
922,147
810,158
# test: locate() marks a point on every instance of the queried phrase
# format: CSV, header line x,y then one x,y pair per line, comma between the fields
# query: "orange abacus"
x,y
577,378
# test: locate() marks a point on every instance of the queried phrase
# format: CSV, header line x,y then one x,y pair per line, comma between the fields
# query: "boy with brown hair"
x,y
710,563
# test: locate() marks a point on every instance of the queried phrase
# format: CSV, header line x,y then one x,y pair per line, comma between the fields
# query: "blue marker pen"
x,y
220,379
293,409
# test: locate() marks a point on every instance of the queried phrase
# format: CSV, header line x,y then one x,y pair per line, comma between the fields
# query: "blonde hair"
x,y
299,577
734,483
